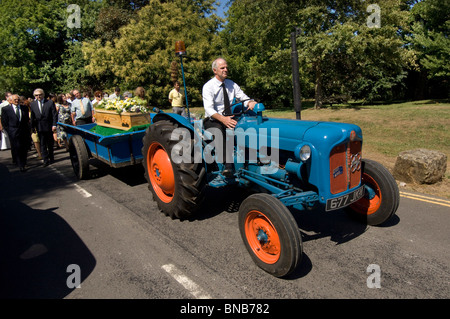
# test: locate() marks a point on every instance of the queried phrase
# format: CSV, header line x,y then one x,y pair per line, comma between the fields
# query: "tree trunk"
x,y
318,86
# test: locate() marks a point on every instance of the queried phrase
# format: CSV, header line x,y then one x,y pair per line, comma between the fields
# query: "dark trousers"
x,y
47,142
19,150
211,123
82,121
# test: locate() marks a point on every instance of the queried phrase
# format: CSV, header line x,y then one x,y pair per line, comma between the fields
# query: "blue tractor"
x,y
286,163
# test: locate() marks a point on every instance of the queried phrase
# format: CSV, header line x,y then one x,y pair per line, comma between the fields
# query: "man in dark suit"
x,y
16,121
43,119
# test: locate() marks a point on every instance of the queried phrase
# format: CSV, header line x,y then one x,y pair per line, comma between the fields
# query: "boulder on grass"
x,y
420,166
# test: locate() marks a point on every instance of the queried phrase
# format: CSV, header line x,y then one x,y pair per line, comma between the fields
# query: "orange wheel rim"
x,y
365,205
160,172
262,237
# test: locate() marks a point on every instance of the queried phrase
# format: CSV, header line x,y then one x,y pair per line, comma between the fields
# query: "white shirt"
x,y
75,108
16,107
114,96
2,105
213,95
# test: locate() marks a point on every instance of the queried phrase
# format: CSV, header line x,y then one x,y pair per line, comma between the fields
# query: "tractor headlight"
x,y
305,153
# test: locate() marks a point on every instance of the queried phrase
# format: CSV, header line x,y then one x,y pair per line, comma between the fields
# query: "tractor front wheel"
x,y
270,234
381,198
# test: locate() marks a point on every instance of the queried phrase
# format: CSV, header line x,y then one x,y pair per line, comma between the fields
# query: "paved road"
x,y
107,236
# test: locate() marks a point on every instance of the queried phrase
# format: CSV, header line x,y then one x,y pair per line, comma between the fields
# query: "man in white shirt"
x,y
218,95
116,95
81,110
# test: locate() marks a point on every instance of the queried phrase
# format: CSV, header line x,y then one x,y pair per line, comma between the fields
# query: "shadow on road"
x,y
219,200
36,248
132,175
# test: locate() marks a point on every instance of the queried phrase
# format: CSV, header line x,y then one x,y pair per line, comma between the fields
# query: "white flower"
x,y
129,105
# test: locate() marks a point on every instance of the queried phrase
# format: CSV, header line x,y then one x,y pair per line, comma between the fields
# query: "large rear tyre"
x,y
177,187
79,157
381,198
270,234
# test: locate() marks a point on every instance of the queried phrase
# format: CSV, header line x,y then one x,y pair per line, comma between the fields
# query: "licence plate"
x,y
344,200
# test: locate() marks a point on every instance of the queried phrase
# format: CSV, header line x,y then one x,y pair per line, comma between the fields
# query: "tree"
x,y
256,44
429,38
340,54
355,49
36,40
143,53
72,72
113,15
22,32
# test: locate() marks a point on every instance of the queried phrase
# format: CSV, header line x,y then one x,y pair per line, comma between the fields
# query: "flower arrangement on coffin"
x,y
120,106
121,114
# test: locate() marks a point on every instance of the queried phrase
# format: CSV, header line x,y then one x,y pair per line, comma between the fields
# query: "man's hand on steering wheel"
x,y
251,105
228,120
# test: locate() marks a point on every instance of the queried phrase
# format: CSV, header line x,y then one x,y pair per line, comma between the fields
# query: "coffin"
x,y
123,121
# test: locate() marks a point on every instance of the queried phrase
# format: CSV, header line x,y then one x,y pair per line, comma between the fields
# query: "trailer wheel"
x,y
79,157
270,234
381,198
177,187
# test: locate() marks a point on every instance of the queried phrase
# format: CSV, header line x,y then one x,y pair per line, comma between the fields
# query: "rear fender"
x,y
173,117
196,127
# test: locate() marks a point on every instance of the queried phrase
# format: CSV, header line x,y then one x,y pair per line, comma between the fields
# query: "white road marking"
x,y
187,283
82,191
79,189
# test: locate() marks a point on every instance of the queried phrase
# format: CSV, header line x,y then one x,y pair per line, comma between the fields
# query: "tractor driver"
x,y
218,94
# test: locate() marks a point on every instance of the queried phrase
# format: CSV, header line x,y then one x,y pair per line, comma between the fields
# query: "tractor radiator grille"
x,y
345,167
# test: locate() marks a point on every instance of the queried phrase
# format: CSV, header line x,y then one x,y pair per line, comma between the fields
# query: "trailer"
x,y
117,150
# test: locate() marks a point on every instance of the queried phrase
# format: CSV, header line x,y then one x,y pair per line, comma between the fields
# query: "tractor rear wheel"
x,y
270,234
177,187
381,198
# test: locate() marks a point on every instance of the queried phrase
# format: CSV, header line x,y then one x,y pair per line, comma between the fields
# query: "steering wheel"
x,y
233,107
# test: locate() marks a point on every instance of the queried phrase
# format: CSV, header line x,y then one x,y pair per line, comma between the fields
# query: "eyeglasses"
x,y
38,94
